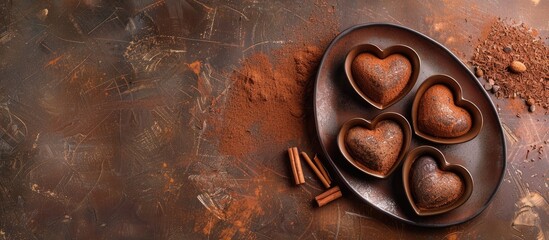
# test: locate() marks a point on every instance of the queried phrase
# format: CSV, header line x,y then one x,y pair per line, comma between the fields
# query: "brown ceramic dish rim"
x,y
442,164
392,116
328,159
455,87
407,51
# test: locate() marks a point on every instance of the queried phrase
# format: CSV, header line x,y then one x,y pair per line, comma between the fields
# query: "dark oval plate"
x,y
335,102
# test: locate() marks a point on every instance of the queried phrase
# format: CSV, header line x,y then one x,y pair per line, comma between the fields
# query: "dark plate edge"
x,y
331,162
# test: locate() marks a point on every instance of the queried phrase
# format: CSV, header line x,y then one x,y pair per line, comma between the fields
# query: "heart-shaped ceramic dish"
x,y
459,101
405,51
443,165
371,125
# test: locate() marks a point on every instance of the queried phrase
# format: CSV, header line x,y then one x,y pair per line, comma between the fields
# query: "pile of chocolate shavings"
x,y
504,44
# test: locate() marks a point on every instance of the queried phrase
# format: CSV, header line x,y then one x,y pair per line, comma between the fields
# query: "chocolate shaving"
x,y
508,42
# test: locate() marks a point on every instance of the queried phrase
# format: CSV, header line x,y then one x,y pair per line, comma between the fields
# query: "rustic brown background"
x,y
103,122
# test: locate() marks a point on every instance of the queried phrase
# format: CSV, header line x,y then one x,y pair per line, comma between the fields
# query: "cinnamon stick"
x,y
315,169
329,199
292,162
328,192
322,169
298,165
328,196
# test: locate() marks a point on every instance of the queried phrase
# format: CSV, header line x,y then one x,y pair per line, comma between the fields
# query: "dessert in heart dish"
x,y
382,77
433,185
439,114
377,147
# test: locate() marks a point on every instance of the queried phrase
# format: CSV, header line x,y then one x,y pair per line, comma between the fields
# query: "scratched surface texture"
x,y
104,108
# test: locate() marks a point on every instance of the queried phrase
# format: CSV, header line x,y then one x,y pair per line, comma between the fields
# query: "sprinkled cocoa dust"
x,y
267,99
271,92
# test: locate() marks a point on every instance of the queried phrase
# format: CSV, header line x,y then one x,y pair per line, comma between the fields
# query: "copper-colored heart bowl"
x,y
459,101
442,165
371,125
406,51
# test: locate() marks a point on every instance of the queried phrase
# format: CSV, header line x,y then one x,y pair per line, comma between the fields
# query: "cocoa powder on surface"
x,y
267,100
269,103
507,42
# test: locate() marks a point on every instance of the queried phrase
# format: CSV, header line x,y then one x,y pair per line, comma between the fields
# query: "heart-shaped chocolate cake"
x,y
432,187
439,116
382,80
377,149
